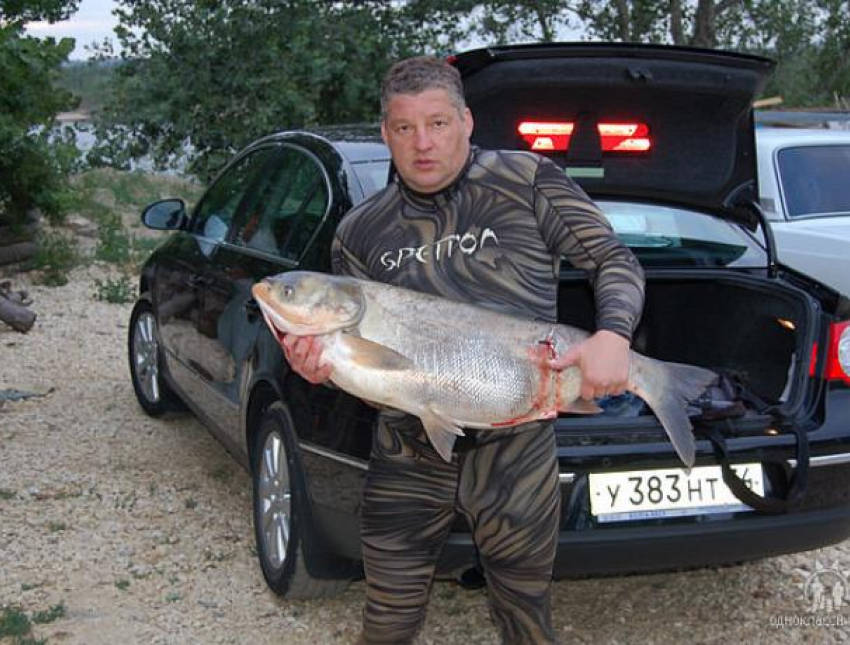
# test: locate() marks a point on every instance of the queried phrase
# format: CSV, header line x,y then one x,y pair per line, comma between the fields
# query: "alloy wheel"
x,y
146,356
275,499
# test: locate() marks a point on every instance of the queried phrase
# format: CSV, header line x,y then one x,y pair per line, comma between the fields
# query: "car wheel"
x,y
281,512
152,392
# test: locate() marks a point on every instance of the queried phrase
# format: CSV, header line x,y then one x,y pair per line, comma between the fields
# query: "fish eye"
x,y
287,291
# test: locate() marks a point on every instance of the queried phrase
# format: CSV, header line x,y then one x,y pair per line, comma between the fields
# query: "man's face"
x,y
428,138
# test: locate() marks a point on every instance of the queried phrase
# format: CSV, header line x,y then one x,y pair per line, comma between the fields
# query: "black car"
x,y
662,138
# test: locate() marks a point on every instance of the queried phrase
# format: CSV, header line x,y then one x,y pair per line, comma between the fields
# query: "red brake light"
x,y
624,137
543,136
838,354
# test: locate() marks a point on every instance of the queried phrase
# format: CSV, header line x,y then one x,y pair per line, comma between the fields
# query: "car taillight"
x,y
551,136
838,355
546,136
624,137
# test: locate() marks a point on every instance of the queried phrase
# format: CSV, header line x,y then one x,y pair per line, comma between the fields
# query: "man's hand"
x,y
604,363
304,354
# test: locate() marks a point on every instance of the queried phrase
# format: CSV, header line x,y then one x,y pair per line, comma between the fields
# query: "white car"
x,y
804,190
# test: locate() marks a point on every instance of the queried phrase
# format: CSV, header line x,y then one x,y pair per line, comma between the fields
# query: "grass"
x,y
123,585
49,615
15,624
101,196
99,191
118,291
57,255
6,494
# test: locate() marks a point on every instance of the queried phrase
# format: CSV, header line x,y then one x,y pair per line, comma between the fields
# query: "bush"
x,y
57,255
32,170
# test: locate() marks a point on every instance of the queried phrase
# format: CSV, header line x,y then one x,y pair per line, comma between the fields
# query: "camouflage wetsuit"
x,y
494,237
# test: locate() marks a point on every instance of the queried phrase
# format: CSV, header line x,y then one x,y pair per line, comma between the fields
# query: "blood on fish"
x,y
540,406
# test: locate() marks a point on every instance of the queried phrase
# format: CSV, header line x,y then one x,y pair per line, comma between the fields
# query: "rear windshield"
x,y
662,236
372,175
815,179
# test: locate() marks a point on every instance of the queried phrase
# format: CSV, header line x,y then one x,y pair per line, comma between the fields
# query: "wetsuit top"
x,y
494,237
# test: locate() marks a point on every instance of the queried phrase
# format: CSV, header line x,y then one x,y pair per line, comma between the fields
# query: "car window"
x,y
219,205
372,175
815,179
667,236
287,207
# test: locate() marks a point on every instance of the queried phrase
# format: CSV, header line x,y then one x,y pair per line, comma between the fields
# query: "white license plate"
x,y
671,492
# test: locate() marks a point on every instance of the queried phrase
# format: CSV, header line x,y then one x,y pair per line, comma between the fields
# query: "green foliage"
x,y
23,11
114,244
194,73
57,255
14,622
49,615
32,170
118,291
90,81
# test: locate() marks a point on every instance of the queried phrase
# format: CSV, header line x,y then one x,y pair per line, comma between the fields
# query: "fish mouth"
x,y
275,322
290,322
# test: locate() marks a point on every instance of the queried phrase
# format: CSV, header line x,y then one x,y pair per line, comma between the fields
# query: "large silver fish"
x,y
457,365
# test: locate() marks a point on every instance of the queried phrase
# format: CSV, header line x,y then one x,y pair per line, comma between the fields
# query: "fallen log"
x,y
17,252
17,316
13,308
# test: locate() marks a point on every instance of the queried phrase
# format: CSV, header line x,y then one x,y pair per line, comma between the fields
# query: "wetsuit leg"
x,y
407,513
509,492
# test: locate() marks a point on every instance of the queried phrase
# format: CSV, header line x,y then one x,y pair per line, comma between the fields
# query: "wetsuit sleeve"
x,y
344,261
572,225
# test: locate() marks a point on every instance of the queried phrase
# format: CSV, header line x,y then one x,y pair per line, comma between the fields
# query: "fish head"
x,y
303,303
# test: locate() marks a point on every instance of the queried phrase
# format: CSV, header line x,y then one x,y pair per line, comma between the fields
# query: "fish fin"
x,y
668,388
368,353
581,406
441,432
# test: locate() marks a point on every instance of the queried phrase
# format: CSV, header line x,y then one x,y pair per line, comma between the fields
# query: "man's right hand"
x,y
304,354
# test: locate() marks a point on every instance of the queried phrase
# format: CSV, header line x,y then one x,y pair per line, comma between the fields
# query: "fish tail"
x,y
668,388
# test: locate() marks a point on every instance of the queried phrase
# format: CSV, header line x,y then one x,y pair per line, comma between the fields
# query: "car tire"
x,y
145,358
281,512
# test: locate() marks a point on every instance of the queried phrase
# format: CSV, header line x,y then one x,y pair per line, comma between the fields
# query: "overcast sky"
x,y
92,22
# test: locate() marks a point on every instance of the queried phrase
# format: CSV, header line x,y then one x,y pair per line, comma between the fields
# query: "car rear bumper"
x,y
658,548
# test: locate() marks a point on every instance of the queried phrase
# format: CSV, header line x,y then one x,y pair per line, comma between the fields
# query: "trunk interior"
x,y
758,332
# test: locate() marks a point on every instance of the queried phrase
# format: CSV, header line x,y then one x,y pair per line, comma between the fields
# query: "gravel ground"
x,y
141,528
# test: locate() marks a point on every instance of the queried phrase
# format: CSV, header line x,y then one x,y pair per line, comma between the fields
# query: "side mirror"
x,y
166,215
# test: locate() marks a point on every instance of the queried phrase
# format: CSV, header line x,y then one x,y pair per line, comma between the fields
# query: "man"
x,y
486,227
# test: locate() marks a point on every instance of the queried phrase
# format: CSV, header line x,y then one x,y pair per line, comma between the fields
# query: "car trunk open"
x,y
759,333
696,104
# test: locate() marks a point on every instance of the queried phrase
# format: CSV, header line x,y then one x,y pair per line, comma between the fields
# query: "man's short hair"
x,y
418,74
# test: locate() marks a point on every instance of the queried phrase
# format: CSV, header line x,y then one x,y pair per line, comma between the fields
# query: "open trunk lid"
x,y
694,106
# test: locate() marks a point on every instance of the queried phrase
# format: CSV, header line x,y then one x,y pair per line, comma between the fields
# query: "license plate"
x,y
672,492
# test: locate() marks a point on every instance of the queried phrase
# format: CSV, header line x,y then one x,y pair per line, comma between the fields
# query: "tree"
x,y
32,173
216,75
833,59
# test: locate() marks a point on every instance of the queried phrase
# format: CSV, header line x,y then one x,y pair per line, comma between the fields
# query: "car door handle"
x,y
252,309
